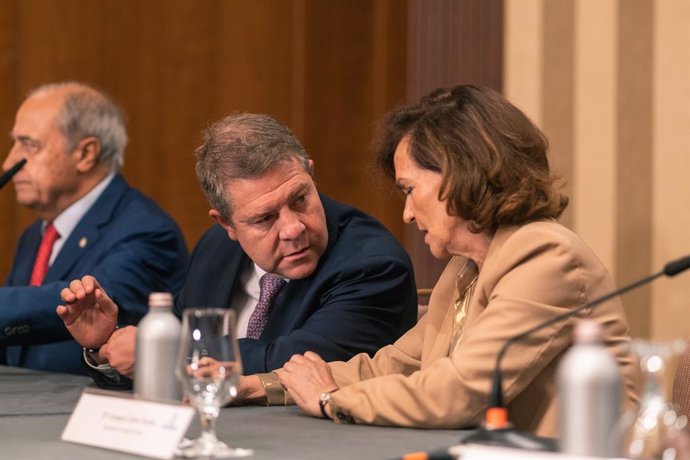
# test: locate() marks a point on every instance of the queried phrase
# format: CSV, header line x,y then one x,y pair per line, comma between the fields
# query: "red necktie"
x,y
43,257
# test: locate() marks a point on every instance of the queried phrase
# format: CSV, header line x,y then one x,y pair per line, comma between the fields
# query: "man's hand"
x,y
89,314
119,350
306,377
249,390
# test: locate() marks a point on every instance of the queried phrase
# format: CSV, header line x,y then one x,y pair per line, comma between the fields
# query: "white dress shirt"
x,y
68,219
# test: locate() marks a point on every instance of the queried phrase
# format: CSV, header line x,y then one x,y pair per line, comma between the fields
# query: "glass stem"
x,y
653,385
208,426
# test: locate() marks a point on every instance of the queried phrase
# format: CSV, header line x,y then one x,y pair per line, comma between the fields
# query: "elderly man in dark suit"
x,y
90,221
340,282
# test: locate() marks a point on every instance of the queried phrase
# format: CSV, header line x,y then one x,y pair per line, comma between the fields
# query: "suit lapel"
x,y
440,326
88,231
27,255
221,295
487,276
286,313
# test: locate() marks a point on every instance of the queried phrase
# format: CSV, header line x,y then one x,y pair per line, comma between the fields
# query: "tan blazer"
x,y
531,273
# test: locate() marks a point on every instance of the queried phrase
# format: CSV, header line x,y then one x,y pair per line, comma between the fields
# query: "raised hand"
x,y
88,313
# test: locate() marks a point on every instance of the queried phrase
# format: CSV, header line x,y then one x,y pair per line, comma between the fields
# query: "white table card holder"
x,y
122,422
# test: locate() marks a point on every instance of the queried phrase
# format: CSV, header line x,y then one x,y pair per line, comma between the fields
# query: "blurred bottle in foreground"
x,y
589,385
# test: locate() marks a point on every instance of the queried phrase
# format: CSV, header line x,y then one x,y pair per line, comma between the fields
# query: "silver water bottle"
x,y
158,340
589,386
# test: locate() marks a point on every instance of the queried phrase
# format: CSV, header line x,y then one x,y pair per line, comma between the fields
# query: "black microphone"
x,y
496,431
5,178
677,266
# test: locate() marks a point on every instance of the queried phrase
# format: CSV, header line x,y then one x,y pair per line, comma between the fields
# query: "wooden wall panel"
x,y
615,104
345,92
8,57
450,42
326,69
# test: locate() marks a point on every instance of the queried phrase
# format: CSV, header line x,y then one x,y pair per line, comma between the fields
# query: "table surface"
x,y
35,407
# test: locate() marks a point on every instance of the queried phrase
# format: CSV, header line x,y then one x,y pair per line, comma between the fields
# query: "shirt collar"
x,y
70,217
250,279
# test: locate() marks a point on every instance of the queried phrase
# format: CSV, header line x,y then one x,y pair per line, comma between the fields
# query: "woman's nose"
x,y
408,213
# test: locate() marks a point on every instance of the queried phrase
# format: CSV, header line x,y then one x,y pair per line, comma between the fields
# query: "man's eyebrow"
x,y
299,190
21,138
302,188
258,215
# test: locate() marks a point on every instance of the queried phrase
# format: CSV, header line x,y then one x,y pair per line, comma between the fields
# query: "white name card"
x,y
117,421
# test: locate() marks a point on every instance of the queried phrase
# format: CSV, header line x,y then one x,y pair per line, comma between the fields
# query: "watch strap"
x,y
324,399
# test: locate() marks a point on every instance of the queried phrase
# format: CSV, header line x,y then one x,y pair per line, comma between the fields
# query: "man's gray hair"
x,y
88,112
243,146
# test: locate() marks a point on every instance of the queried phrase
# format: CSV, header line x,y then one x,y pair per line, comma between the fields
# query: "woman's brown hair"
x,y
492,157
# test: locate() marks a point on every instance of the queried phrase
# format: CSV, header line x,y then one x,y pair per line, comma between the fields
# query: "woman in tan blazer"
x,y
476,180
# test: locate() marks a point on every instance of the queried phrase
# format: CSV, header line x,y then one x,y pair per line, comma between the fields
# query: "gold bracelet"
x,y
275,393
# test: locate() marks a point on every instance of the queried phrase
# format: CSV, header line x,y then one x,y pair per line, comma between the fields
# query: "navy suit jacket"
x,y
361,296
125,240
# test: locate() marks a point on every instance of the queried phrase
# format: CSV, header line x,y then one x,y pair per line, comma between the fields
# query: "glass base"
x,y
209,448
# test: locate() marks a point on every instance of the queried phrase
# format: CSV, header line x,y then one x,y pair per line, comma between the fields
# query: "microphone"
x,y
496,431
5,178
677,266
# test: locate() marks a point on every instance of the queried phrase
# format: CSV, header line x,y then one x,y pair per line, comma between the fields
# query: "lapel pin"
x,y
82,242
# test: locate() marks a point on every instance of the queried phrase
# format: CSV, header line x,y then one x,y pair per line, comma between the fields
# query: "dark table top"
x,y
35,407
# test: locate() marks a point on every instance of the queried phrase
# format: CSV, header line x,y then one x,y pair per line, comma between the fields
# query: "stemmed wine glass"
x,y
209,367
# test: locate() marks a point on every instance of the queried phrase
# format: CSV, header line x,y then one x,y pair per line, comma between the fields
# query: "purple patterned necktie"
x,y
270,285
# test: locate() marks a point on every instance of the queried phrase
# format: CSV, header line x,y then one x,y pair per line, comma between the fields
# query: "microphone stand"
x,y
5,178
497,430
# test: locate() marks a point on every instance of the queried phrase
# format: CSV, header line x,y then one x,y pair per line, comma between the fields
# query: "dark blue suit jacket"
x,y
132,248
361,296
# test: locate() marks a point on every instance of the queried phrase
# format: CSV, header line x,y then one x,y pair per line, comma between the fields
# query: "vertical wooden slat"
x,y
671,164
524,59
389,80
634,161
298,63
595,126
558,111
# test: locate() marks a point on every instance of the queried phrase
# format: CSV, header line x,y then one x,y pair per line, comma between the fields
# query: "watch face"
x,y
324,398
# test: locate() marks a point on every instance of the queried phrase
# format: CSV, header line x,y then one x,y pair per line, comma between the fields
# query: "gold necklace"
x,y
464,283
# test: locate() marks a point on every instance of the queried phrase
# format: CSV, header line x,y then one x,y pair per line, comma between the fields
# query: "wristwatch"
x,y
92,350
324,399
95,350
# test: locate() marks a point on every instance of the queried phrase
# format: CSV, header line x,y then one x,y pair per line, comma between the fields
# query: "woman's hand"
x,y
306,377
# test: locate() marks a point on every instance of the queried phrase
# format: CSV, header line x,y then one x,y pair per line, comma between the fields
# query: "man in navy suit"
x,y
349,285
90,221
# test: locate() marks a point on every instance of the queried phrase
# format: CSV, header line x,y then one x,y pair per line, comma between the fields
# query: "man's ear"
x,y
227,226
311,167
87,153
